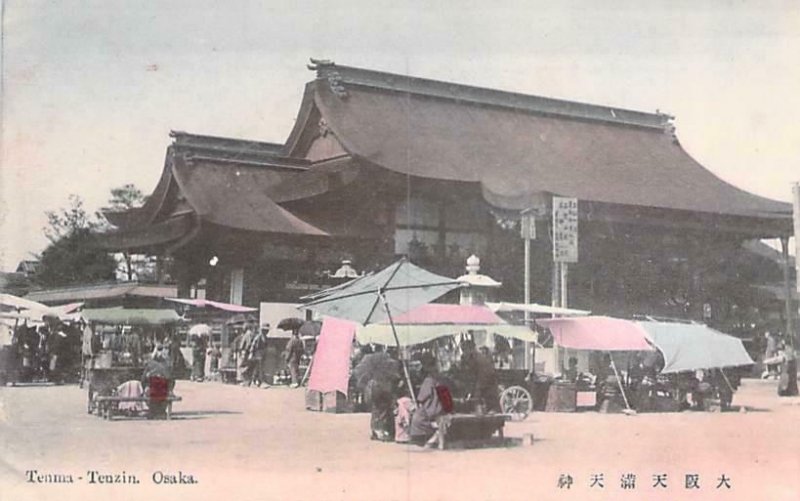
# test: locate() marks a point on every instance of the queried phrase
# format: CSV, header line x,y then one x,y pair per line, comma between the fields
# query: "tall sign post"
x,y
565,245
528,233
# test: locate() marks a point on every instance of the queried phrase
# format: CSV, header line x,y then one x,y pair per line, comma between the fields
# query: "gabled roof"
x,y
518,146
515,147
219,181
27,266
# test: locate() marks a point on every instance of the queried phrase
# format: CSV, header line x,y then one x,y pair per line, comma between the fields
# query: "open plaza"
x,y
251,444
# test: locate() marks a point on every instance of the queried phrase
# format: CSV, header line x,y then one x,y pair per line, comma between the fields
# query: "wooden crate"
x,y
313,400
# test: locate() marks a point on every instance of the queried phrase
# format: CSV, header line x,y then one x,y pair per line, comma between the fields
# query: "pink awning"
x,y
597,333
449,314
330,370
203,303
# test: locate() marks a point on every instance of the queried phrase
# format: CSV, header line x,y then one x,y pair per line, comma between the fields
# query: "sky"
x,y
91,89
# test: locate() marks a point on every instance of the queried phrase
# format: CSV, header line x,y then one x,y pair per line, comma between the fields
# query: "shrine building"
x,y
380,165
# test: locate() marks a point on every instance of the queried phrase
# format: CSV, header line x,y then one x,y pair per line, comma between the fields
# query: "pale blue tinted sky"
x,y
92,88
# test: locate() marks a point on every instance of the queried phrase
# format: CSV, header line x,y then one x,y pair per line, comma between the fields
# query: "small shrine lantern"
x,y
346,270
479,285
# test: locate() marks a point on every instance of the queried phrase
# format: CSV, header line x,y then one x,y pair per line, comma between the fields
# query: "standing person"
x,y
56,348
382,372
213,356
477,366
198,358
771,370
295,349
243,355
258,358
131,343
787,382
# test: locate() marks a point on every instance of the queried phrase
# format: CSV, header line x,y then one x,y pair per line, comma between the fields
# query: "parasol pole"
x,y
730,386
308,371
397,340
619,383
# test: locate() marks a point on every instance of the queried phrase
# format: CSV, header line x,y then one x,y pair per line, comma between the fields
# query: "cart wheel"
x,y
516,401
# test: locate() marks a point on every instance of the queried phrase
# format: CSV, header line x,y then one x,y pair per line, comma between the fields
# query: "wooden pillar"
x,y
787,289
796,213
791,367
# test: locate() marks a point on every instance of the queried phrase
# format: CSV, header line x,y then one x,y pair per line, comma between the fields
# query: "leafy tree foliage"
x,y
126,197
72,256
131,266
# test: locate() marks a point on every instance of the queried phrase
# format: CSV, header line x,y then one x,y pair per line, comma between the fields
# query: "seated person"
x,y
571,372
131,389
703,390
156,373
423,429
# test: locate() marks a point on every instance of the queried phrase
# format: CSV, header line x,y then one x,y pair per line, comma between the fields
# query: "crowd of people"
x,y
396,417
647,390
49,352
252,354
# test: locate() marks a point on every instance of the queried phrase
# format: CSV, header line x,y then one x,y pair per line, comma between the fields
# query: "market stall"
x,y
117,343
597,334
438,328
692,352
39,344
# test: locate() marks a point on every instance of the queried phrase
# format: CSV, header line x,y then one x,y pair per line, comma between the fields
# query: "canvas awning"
x,y
537,308
138,316
597,333
203,303
432,321
330,368
690,347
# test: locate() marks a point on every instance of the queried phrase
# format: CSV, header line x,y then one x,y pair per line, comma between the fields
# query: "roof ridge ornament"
x,y
668,125
333,77
316,64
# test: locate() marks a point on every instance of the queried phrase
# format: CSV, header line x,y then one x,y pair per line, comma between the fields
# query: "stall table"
x,y
470,429
562,397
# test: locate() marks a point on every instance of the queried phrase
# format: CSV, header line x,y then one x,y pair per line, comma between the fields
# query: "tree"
x,y
126,197
123,199
65,222
73,256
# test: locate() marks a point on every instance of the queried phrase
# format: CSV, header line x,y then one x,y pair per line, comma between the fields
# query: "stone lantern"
x,y
480,286
346,270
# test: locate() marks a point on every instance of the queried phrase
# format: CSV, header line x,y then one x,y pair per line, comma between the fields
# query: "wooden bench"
x,y
108,405
470,430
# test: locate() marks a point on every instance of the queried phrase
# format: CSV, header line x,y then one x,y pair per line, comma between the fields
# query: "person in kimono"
x,y
429,405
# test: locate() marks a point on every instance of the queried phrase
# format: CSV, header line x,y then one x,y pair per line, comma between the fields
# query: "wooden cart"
x,y
515,393
103,381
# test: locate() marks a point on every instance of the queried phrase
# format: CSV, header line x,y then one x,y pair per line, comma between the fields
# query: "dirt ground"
x,y
250,444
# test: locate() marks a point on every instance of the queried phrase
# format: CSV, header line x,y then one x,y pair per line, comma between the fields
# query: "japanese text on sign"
x,y
565,230
528,227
